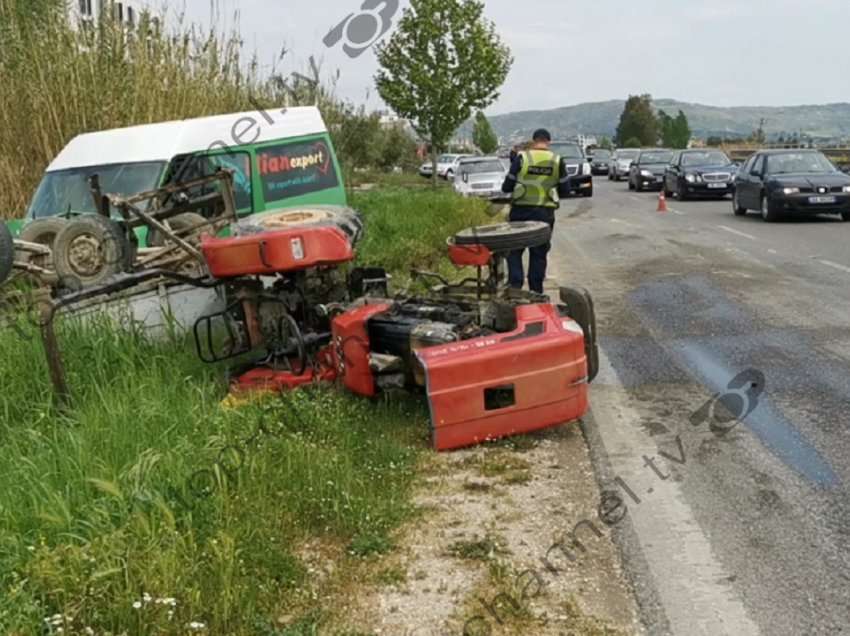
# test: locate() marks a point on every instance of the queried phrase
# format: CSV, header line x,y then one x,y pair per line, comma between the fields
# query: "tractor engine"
x,y
492,361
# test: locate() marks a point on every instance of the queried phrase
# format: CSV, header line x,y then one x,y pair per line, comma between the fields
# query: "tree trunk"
x,y
434,176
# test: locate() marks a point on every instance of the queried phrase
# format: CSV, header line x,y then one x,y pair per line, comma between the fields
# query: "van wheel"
x,y
180,224
91,249
7,252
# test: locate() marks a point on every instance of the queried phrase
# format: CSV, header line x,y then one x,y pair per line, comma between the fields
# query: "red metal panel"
x,y
542,365
469,255
351,348
279,251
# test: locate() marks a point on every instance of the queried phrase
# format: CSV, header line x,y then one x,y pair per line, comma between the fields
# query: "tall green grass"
x,y
147,488
408,228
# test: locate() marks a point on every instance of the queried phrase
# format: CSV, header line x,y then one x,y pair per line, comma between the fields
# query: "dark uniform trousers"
x,y
537,256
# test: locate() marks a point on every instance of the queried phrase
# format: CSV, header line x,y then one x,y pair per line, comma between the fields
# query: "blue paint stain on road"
x,y
702,331
768,424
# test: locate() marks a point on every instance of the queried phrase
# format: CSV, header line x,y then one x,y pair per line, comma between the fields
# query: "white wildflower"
x,y
137,605
197,626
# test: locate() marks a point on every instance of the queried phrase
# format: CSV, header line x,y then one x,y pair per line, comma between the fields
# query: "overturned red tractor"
x,y
492,361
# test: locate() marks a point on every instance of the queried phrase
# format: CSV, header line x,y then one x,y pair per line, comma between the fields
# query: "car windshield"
x,y
708,158
568,151
67,191
627,154
480,167
446,158
799,162
656,157
601,155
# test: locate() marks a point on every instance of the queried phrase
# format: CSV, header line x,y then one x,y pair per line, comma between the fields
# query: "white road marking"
x,y
691,582
838,266
677,212
733,231
772,251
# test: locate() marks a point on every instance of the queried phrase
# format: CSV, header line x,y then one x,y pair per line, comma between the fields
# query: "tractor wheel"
x,y
345,219
580,308
7,252
91,249
506,237
43,232
182,223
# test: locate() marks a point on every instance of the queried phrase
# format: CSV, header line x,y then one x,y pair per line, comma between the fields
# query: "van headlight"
x,y
585,168
646,173
845,189
790,190
691,177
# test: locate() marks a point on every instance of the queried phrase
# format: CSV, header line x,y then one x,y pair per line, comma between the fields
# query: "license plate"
x,y
822,199
717,186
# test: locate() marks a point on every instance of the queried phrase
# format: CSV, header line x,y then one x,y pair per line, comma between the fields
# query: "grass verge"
x,y
147,507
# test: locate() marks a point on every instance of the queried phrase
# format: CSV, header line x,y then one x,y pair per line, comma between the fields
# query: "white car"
x,y
480,177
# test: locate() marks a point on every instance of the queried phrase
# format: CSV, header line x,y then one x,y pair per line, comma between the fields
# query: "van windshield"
x,y
67,191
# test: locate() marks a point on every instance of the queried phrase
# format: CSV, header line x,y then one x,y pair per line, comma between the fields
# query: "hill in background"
x,y
829,121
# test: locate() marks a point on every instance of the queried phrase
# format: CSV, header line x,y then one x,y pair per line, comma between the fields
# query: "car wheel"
x,y
638,187
667,191
505,237
449,175
681,194
7,252
768,211
845,216
736,206
91,249
631,185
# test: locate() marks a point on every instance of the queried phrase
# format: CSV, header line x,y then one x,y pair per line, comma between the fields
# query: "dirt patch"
x,y
474,559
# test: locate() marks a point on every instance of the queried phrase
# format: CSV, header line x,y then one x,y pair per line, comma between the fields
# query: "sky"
x,y
721,53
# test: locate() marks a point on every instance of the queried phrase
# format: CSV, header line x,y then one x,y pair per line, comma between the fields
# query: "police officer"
x,y
534,175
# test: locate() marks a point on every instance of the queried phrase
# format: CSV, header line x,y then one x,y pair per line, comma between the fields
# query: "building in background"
x,y
125,11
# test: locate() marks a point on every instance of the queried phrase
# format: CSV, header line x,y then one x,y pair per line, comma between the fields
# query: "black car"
x,y
700,172
647,171
777,182
600,162
578,167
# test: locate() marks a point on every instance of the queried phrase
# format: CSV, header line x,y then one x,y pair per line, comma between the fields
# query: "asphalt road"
x,y
733,527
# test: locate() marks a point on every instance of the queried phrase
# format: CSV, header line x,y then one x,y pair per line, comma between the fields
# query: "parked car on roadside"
x,y
446,166
647,170
600,162
779,182
480,177
700,172
621,161
578,167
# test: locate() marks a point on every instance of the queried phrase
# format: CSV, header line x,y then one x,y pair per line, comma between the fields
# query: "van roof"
x,y
163,141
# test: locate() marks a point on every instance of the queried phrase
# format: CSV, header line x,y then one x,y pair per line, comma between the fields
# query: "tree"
x,y
632,142
675,132
483,135
638,121
606,143
443,61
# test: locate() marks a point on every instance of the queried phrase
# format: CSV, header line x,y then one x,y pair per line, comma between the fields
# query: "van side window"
x,y
205,165
294,169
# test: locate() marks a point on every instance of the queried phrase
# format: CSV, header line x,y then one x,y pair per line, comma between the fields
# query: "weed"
x,y
485,549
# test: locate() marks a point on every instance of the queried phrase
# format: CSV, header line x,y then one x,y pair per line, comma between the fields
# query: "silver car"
x,y
480,177
621,161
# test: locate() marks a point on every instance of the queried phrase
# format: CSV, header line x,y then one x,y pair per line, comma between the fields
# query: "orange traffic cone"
x,y
662,202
